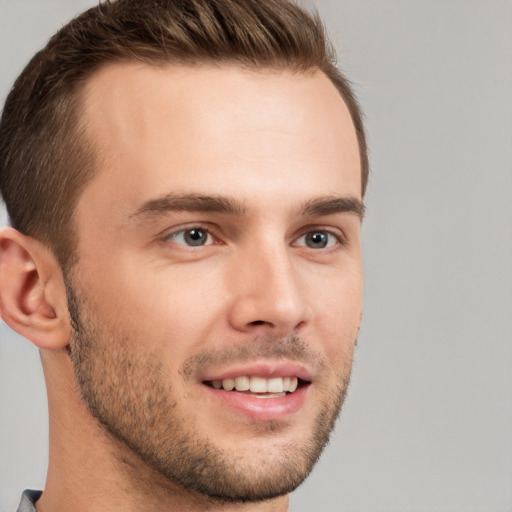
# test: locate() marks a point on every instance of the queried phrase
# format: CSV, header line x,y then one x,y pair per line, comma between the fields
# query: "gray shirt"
x,y
28,501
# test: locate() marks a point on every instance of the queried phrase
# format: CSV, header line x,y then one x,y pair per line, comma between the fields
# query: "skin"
x,y
269,144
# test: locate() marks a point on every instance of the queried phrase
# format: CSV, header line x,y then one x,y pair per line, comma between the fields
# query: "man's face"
x,y
219,246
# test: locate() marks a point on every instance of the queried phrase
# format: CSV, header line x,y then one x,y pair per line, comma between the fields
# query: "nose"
x,y
268,295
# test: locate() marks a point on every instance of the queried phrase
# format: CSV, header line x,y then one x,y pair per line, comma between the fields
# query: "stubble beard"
x,y
129,395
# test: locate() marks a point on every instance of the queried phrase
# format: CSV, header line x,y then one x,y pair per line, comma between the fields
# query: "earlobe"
x,y
32,291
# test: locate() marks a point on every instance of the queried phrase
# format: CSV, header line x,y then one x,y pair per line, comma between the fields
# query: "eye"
x,y
193,237
319,239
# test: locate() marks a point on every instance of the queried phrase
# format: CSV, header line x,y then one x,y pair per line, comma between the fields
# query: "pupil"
x,y
195,237
317,240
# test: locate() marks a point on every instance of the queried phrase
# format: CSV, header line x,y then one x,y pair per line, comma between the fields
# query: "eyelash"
x,y
199,227
339,237
338,242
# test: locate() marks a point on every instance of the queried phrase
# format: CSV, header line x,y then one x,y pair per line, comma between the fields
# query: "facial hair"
x,y
128,392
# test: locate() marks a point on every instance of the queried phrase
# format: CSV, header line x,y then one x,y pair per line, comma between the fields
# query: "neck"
x,y
89,471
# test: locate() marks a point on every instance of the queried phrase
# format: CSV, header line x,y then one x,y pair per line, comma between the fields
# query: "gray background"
x,y
428,423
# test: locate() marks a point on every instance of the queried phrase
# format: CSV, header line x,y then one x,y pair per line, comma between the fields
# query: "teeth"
x,y
228,384
242,384
256,384
275,385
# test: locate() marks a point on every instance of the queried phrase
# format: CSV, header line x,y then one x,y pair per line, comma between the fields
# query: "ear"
x,y
32,291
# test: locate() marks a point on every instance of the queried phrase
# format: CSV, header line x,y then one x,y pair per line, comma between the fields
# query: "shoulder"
x,y
28,500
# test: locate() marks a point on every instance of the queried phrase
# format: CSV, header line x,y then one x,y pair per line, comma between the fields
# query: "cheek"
x,y
169,310
338,316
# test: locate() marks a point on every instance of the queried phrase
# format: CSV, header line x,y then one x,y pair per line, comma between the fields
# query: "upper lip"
x,y
265,369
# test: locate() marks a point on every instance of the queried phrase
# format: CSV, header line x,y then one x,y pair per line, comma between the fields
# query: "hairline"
x,y
83,135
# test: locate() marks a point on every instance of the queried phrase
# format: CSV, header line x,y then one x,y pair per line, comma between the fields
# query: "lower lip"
x,y
262,409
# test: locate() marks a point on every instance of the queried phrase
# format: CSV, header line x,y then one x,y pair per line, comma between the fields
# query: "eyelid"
x,y
337,233
168,234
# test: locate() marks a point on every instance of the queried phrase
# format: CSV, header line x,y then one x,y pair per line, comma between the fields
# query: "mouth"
x,y
259,387
262,391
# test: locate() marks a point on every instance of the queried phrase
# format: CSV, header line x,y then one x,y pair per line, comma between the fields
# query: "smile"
x,y
261,391
272,387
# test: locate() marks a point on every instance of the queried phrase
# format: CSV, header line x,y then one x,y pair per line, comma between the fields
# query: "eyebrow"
x,y
332,205
190,203
220,204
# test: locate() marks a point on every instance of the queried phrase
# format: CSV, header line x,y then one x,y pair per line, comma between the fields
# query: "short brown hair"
x,y
45,157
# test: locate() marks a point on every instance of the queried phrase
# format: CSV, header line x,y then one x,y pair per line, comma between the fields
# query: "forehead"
x,y
217,130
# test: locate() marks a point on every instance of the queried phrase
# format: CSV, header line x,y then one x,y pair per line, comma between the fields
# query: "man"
x,y
185,185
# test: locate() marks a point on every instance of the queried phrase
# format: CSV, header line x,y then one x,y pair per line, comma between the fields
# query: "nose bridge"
x,y
268,290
